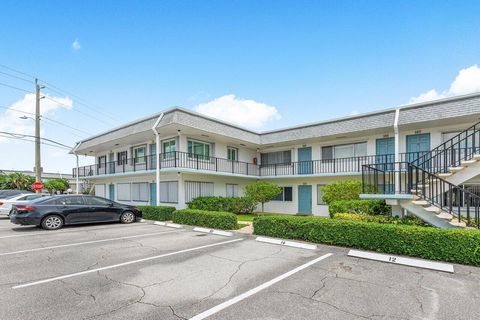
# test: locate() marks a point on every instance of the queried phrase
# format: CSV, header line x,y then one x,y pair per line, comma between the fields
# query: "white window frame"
x,y
146,186
143,158
119,188
282,194
320,201
194,155
204,188
232,151
353,147
169,154
234,188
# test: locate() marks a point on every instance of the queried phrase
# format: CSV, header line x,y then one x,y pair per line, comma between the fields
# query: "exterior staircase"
x,y
428,187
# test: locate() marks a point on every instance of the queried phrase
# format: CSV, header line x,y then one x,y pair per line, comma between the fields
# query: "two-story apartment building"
x,y
174,156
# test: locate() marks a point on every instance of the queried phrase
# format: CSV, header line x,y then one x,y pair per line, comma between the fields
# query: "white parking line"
x,y
213,231
87,242
255,290
287,243
122,264
77,229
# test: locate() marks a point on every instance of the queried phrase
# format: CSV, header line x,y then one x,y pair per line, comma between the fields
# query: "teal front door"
x,y
153,194
305,160
417,145
305,199
111,192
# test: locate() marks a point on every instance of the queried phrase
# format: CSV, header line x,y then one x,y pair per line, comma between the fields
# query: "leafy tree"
x,y
344,190
16,180
56,184
262,192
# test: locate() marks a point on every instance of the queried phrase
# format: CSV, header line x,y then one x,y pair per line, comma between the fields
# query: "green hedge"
x,y
372,207
158,213
202,218
409,220
454,245
223,204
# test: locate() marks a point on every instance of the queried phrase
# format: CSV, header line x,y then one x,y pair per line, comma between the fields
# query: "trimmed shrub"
x,y
372,207
158,213
454,245
223,204
202,218
408,220
344,190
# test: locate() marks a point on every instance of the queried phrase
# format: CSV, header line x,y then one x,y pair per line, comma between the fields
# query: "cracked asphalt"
x,y
187,283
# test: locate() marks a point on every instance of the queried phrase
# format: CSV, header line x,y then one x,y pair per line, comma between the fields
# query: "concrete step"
x,y
444,175
444,215
476,156
420,202
433,209
460,224
468,162
455,169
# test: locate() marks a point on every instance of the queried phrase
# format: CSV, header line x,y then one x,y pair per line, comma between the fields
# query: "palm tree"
x,y
17,181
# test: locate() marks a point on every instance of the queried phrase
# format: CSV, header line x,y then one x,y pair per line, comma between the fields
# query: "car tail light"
x,y
25,208
1,203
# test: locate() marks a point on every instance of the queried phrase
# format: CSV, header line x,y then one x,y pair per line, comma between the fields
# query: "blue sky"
x,y
309,60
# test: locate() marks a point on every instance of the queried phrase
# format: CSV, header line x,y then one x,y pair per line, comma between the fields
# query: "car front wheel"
x,y
52,222
127,217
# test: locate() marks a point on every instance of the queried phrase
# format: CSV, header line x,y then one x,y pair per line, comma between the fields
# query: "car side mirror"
x,y
110,204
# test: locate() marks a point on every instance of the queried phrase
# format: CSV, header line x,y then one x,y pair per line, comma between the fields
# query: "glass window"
x,y
327,153
122,157
102,160
139,154
360,149
198,149
320,194
285,195
279,157
231,190
140,192
169,148
96,201
232,153
71,201
33,197
124,192
194,189
344,151
169,191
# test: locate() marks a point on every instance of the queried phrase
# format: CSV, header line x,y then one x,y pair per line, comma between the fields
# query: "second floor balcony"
x,y
190,161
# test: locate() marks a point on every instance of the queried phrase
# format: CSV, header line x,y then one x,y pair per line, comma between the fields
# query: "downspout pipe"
x,y
77,182
397,153
157,154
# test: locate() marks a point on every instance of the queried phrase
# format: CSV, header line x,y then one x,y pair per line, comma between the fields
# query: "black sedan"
x,y
52,213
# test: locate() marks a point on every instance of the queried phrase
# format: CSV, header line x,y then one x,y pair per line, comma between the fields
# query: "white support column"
x,y
397,153
77,182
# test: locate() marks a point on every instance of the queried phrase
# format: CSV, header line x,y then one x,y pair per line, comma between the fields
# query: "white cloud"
x,y
248,113
10,120
467,81
76,45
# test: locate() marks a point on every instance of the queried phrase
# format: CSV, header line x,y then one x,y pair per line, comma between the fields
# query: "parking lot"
x,y
146,271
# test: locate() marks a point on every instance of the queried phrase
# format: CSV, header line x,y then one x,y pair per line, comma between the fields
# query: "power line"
x,y
48,119
61,91
17,71
13,87
26,139
16,77
79,100
21,135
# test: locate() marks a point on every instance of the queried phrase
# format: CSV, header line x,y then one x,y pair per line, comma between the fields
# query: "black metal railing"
x,y
407,178
187,160
450,153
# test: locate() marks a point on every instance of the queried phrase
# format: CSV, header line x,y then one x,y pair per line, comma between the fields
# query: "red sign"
x,y
38,186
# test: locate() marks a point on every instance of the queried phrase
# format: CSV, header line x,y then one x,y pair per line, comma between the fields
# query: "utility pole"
x,y
38,165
